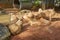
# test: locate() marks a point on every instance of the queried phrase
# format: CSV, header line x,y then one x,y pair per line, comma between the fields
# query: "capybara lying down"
x,y
43,32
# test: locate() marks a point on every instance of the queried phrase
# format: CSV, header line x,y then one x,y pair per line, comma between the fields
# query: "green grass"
x,y
4,18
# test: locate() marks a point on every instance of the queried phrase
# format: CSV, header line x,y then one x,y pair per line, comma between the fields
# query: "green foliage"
x,y
36,2
57,2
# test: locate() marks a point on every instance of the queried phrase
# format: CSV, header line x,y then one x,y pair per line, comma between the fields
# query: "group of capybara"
x,y
34,26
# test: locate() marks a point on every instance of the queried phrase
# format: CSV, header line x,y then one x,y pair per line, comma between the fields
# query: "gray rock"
x,y
4,32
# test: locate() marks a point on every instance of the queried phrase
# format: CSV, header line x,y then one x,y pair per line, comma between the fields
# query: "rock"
x,y
4,32
15,29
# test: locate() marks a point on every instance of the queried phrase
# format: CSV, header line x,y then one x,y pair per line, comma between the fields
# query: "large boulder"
x,y
4,32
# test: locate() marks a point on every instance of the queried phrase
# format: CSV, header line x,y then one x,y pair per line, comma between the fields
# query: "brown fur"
x,y
39,33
